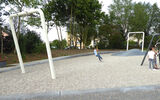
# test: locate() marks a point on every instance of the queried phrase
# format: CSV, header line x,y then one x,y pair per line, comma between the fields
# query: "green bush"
x,y
29,41
22,43
56,44
116,41
41,48
102,44
132,44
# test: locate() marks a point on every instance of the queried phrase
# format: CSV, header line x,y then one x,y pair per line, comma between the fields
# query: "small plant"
x,y
41,48
56,44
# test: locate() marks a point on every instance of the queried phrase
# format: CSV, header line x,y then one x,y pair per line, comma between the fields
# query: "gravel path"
x,y
80,73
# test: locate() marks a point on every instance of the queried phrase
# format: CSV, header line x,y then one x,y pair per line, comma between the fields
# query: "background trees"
x,y
135,17
84,21
79,16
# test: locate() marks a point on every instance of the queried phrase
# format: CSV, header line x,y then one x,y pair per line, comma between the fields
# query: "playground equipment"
x,y
135,33
149,46
44,31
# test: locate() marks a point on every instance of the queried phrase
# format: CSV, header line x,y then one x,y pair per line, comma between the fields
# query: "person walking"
x,y
97,54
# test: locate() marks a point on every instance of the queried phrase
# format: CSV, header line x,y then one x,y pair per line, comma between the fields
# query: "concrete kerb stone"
x,y
29,64
59,94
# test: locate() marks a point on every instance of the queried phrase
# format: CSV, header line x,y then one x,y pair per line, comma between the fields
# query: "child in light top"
x,y
151,58
97,54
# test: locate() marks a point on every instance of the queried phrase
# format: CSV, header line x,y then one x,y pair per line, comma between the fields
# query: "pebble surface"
x,y
80,73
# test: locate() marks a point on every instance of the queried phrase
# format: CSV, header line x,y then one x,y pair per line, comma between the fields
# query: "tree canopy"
x,y
85,21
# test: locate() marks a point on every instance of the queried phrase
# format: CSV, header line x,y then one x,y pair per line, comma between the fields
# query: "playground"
x,y
80,73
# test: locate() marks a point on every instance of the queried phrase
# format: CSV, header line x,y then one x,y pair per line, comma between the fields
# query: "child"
x,y
97,54
155,57
151,58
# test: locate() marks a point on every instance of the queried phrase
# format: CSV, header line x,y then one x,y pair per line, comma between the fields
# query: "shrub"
x,y
29,41
132,44
102,44
41,48
8,44
116,41
56,44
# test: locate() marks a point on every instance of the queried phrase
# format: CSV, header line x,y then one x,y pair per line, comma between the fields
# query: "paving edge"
x,y
79,92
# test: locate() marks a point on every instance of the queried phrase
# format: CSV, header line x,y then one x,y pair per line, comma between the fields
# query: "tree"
x,y
73,13
88,14
154,19
1,23
139,19
18,5
8,43
121,10
56,14
29,41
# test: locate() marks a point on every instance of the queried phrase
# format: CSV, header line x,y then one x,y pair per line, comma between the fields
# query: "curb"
x,y
59,94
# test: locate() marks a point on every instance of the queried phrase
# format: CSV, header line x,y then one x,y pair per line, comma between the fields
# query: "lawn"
x,y
12,58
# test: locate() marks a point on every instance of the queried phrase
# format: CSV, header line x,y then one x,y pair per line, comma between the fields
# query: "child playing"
x,y
155,57
97,54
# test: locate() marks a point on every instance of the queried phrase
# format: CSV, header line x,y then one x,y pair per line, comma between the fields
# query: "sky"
x,y
105,3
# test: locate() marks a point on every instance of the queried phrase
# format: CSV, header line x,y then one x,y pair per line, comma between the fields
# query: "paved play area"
x,y
80,73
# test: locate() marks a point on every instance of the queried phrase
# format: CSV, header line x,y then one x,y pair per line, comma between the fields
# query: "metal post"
x,y
44,31
135,33
127,41
143,42
16,44
47,44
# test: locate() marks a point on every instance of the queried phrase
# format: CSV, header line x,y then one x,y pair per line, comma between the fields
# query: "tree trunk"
x,y
1,45
57,32
61,33
76,42
1,41
71,28
80,42
18,30
74,31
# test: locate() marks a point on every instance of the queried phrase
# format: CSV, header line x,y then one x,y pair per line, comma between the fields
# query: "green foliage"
x,y
56,44
22,43
116,41
8,45
132,44
154,18
120,12
29,41
140,18
103,44
85,14
41,48
148,39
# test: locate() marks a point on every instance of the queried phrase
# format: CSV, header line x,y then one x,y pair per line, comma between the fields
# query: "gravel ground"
x,y
80,73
